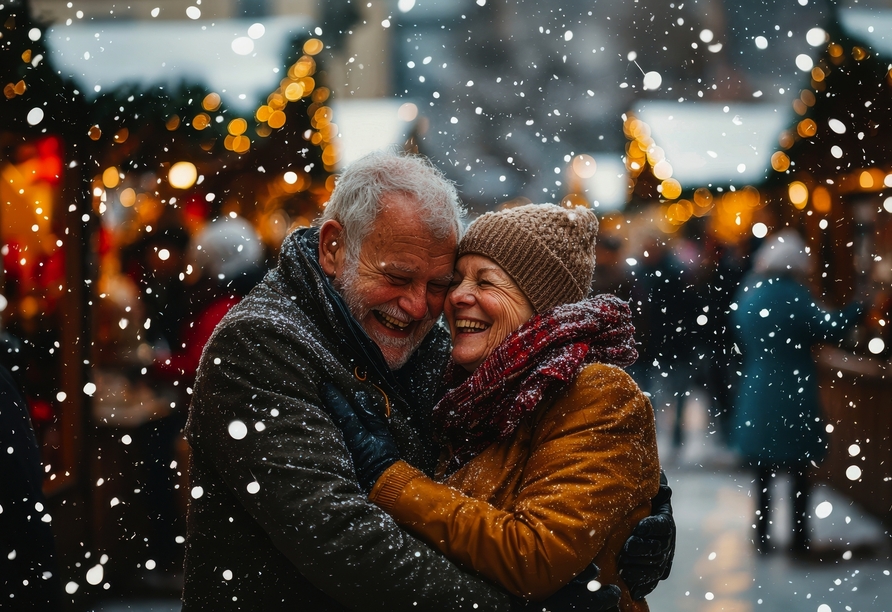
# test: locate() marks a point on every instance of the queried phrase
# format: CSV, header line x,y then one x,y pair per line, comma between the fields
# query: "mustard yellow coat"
x,y
531,512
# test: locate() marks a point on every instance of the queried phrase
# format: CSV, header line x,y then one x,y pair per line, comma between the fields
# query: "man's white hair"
x,y
357,197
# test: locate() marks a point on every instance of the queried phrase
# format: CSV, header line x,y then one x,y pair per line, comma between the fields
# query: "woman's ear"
x,y
331,250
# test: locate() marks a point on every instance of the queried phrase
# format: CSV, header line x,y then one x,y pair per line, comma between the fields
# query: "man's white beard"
x,y
396,351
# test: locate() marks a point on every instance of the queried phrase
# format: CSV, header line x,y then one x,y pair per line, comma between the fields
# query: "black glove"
x,y
646,557
577,595
365,432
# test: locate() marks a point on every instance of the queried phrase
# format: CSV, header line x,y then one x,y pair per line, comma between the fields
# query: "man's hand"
x,y
646,557
582,593
366,434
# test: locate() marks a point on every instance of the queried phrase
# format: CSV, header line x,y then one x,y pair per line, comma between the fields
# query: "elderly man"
x,y
277,520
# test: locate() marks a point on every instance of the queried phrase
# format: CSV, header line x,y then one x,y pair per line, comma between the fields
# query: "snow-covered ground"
x,y
716,564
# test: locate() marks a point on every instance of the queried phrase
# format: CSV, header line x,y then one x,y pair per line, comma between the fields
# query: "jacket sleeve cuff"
x,y
390,485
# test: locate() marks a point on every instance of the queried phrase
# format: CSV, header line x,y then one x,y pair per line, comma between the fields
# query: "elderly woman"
x,y
549,449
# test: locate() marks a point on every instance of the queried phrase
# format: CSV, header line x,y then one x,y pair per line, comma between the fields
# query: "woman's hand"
x,y
646,557
365,433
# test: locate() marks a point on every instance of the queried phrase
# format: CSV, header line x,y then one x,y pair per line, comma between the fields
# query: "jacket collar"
x,y
300,258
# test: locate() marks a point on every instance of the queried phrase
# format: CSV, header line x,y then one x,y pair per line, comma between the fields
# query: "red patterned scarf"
x,y
540,359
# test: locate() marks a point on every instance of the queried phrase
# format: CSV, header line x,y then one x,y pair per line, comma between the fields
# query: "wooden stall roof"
x,y
240,59
716,143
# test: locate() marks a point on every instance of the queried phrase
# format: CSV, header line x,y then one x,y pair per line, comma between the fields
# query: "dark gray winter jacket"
x,y
276,519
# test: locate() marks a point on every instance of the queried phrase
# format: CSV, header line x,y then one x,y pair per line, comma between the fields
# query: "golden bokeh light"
x,y
329,155
94,133
834,49
276,119
671,189
241,144
313,46
679,212
294,92
865,180
211,102
322,116
111,177
201,121
780,161
817,74
662,170
798,193
237,126
329,132
182,175
263,113
703,201
321,94
308,83
808,97
122,135
807,128
127,197
860,53
820,199
786,139
172,123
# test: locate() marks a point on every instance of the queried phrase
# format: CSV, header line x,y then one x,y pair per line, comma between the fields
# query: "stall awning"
x,y
716,143
870,25
243,60
365,125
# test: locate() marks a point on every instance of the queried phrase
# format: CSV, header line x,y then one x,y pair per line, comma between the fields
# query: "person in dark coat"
x,y
777,419
29,573
277,519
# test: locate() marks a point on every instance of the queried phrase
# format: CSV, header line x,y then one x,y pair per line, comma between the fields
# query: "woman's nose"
x,y
461,295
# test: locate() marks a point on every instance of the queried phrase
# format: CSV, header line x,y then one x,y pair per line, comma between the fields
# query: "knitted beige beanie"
x,y
548,250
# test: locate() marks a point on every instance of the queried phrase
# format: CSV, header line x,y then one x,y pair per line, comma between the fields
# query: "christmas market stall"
x,y
731,174
140,198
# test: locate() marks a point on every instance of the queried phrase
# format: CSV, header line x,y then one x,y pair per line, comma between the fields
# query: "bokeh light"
x,y
182,175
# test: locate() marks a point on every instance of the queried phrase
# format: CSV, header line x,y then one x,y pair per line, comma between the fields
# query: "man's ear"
x,y
331,249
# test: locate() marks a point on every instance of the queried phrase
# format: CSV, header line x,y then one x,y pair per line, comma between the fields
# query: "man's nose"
x,y
414,302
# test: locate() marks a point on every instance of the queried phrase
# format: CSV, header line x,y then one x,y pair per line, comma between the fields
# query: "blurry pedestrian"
x,y
663,296
777,420
226,258
29,575
721,270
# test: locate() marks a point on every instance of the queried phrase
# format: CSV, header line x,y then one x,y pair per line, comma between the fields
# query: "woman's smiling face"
x,y
484,305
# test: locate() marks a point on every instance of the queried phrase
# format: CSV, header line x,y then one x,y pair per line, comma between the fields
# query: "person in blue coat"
x,y
777,423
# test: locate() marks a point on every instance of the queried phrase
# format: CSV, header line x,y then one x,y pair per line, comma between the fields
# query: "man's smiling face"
x,y
397,288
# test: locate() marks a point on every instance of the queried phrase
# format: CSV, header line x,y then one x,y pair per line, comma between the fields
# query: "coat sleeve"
x,y
828,325
257,421
593,464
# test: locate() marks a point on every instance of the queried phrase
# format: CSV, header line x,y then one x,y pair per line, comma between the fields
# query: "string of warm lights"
x,y
799,192
731,213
